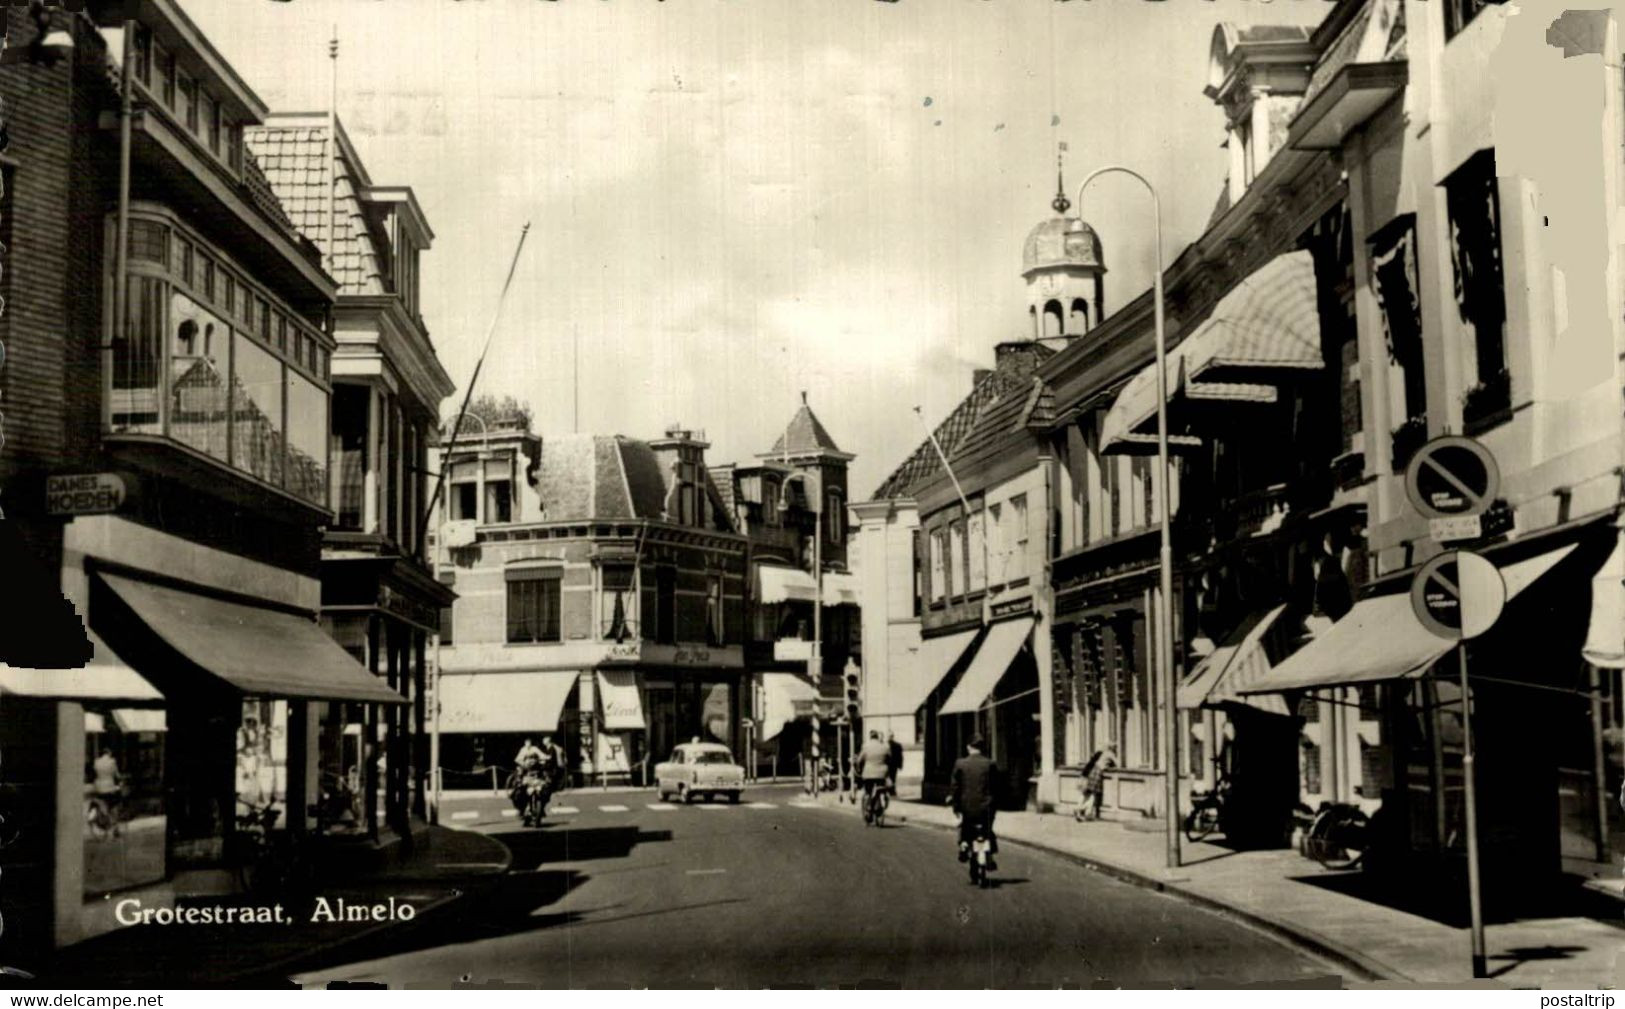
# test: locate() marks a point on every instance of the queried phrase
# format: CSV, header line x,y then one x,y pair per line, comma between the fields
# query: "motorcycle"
x,y
536,794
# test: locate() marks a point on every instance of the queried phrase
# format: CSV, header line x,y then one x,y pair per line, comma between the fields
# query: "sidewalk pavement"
x,y
450,865
1298,899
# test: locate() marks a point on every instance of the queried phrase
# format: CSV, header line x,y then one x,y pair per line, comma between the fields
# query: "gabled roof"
x,y
293,152
804,436
1001,404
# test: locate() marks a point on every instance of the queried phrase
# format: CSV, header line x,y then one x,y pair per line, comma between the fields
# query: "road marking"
x,y
714,805
510,812
566,810
760,805
467,814
468,865
661,806
806,804
704,872
613,809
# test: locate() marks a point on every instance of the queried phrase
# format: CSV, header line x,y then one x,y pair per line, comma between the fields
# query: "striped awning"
x,y
1266,323
1239,662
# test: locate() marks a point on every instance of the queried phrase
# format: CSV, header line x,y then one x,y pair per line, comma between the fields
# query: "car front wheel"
x,y
733,796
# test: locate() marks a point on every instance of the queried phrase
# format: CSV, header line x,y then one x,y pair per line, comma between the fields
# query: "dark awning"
x,y
261,652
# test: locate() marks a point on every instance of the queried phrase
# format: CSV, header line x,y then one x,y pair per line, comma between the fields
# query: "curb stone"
x,y
1364,967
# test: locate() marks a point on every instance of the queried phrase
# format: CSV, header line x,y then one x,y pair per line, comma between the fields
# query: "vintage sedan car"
x,y
694,769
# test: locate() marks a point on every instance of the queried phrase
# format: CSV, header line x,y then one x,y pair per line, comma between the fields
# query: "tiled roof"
x,y
586,476
806,434
259,188
294,159
923,463
722,477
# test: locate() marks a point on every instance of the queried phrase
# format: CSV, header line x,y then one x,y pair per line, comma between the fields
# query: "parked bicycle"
x,y
1337,837
269,860
1207,811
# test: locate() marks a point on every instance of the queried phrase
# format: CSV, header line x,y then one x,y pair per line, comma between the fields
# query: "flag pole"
x,y
457,425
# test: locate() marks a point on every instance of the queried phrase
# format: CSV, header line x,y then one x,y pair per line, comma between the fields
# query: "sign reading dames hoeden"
x,y
83,493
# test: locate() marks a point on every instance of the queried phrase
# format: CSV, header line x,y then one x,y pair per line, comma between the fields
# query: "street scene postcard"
x,y
768,494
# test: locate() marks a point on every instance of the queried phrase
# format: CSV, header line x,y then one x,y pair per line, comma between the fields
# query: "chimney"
x,y
1020,357
978,376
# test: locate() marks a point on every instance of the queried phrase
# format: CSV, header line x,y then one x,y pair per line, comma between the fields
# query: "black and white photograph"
x,y
812,494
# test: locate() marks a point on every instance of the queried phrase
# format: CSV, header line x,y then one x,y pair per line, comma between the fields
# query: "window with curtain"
x,y
1473,203
618,601
534,600
1018,536
977,559
939,550
956,557
996,558
714,624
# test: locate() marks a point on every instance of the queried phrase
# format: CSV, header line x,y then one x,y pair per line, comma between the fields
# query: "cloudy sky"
x,y
733,201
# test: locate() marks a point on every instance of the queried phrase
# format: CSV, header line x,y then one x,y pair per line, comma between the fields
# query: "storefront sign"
x,y
83,493
691,656
1011,607
625,651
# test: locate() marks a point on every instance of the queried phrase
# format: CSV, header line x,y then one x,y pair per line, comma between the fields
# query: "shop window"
x,y
137,365
1458,14
1474,207
258,430
124,822
534,602
618,601
200,392
715,627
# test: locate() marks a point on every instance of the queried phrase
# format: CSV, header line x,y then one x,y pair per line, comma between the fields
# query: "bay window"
x,y
185,366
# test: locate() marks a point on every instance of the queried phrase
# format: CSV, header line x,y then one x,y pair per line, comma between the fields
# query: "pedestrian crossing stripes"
x,y
467,814
662,807
613,809
510,812
760,805
712,805
564,810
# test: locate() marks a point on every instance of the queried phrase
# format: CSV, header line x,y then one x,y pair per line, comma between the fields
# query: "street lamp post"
x,y
1164,629
815,668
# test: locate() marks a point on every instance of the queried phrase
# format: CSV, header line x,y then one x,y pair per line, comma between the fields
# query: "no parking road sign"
x,y
1452,476
1458,595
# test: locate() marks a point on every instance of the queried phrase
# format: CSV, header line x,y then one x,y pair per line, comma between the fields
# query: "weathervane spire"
x,y
1060,203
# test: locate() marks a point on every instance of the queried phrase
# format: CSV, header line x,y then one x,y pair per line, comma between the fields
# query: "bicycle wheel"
x,y
1200,822
879,811
1336,838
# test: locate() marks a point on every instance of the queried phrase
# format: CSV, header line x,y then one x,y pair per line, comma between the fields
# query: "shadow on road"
x,y
555,843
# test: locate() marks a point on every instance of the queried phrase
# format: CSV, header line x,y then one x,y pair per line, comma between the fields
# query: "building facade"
x,y
600,588
380,600
169,464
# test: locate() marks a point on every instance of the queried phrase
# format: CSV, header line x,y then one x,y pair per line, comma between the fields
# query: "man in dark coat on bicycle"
x,y
973,793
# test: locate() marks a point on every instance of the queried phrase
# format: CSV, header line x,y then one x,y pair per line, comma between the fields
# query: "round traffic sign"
x,y
1458,595
1452,475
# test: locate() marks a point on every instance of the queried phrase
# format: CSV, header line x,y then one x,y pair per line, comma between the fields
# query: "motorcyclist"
x,y
528,763
973,793
872,767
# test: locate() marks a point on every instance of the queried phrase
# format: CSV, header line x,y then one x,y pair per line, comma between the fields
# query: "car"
x,y
695,769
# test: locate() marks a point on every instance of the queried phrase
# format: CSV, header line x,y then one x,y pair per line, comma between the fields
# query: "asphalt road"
x,y
616,895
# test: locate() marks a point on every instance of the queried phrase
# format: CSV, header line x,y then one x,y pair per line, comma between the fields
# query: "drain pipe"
x,y
121,253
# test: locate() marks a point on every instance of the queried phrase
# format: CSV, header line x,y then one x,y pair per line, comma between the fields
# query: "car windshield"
x,y
712,757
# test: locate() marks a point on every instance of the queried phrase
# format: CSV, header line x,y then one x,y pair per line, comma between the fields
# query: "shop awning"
x,y
908,688
1605,639
140,720
504,702
779,584
1239,662
105,678
782,690
1381,639
1266,324
264,653
840,590
620,701
988,666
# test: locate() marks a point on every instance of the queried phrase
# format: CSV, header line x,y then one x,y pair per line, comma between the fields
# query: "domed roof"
x,y
1049,245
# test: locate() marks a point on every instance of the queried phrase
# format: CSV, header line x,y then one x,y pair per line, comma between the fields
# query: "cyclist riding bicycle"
x,y
873,766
